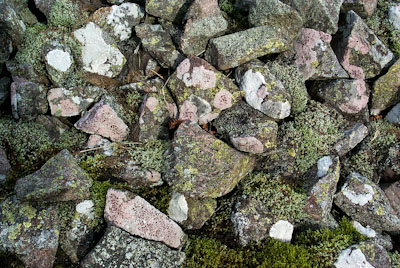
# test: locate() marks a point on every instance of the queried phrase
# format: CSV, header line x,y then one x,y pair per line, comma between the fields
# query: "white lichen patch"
x,y
86,208
282,231
178,208
361,198
323,166
352,258
367,231
250,84
59,60
123,17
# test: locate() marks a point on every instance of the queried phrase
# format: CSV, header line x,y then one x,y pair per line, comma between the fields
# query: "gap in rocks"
x,y
39,15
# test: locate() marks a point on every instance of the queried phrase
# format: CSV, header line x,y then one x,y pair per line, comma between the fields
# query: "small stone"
x,y
392,164
394,16
118,248
11,22
136,216
364,8
54,127
5,84
59,62
59,179
381,239
367,231
359,51
5,166
394,115
352,137
282,231
232,50
392,192
95,141
171,10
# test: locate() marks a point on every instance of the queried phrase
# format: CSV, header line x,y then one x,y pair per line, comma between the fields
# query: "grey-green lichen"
x,y
65,13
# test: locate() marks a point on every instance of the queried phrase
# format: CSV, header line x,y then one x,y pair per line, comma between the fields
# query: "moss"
x,y
65,13
133,100
237,16
395,259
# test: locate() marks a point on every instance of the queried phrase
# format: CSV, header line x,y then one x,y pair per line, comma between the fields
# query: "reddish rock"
x,y
392,192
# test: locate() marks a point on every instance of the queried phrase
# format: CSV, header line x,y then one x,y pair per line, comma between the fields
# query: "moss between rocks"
x,y
395,259
239,18
65,13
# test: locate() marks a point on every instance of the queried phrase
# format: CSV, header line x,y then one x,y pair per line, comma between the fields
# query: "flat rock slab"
x,y
364,8
201,166
171,10
118,248
352,137
138,217
59,179
29,233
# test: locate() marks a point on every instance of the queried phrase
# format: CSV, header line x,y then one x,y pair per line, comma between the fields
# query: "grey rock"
x,y
5,83
171,10
394,115
364,8
5,166
379,238
392,163
59,62
351,138
55,128
392,192
22,72
394,16
6,47
12,24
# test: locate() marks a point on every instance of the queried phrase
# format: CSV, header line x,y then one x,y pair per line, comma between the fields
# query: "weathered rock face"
x,y
118,248
54,127
201,166
171,10
394,115
30,233
359,51
248,129
381,239
5,166
13,25
59,62
392,192
386,90
60,179
394,16
136,216
366,203
201,91
351,138
364,8
392,163
232,50
5,84
28,100
6,47
315,58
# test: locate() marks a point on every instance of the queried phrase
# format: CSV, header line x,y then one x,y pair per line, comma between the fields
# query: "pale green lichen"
x,y
65,13
395,259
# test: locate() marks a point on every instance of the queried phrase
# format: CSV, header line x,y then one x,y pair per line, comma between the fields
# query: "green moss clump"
x,y
395,259
65,13
239,18
93,164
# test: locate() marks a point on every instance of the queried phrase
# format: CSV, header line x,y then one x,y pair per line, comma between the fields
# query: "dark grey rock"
x,y
351,138
392,192
394,115
6,47
5,83
5,166
364,8
172,10
12,24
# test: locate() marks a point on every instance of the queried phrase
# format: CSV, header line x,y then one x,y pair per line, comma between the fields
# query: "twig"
x,y
200,53
159,75
92,149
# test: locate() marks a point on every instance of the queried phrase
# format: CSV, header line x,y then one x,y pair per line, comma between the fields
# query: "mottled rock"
x,y
28,100
364,8
248,129
65,12
103,120
30,233
392,164
59,62
394,16
73,101
351,138
394,115
138,217
54,127
392,192
5,166
365,202
6,47
381,239
5,83
12,24
118,248
96,141
189,212
232,50
22,72
386,90
315,58
201,91
171,10
359,51
204,21
99,54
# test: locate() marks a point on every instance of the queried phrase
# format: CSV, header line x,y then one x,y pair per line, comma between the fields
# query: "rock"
x,y
99,53
136,216
30,233
201,91
394,16
5,83
71,102
393,195
64,12
386,90
392,163
363,255
59,62
232,50
189,212
103,120
23,72
159,44
171,10
201,166
5,166
119,249
6,47
315,58
366,203
54,127
394,115
59,179
96,141
11,23
118,21
359,51
282,231
380,239
320,15
364,8
204,21
247,129
275,13
28,100
352,137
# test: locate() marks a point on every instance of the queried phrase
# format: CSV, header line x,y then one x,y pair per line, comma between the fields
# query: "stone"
x,y
394,16
171,10
394,115
99,54
359,51
364,8
352,137
282,231
247,129
315,58
232,50
59,179
363,255
28,232
118,20
159,44
23,72
365,202
96,141
138,217
202,166
5,84
381,239
201,92
386,90
392,164
5,166
54,127
204,21
12,24
59,62
118,248
189,212
28,100
393,195
6,47
103,120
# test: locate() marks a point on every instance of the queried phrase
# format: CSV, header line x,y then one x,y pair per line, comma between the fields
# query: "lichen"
x,y
395,259
65,13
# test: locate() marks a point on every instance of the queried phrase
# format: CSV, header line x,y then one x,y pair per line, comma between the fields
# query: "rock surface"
x,y
364,8
393,195
5,166
352,137
171,10
394,115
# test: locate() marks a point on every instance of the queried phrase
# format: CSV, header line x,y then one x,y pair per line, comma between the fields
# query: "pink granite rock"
x,y
138,217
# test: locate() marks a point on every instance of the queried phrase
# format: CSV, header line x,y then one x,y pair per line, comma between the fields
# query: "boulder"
x,y
364,8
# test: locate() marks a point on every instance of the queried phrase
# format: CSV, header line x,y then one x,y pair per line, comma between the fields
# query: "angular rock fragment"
x,y
171,10
6,47
118,248
351,138
136,216
96,141
30,233
232,50
392,192
54,127
28,100
392,163
380,239
248,129
59,62
59,179
65,12
11,23
315,57
394,16
394,115
201,166
159,44
5,166
359,51
364,8
5,84
365,202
